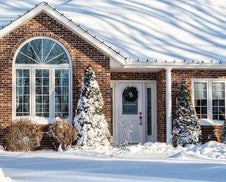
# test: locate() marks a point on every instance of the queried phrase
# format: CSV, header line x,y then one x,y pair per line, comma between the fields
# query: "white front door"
x,y
129,114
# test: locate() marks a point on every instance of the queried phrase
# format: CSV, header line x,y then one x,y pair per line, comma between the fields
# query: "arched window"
x,y
42,81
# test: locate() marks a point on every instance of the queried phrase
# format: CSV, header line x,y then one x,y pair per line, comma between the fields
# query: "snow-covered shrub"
x,y
223,132
186,127
62,132
90,121
23,135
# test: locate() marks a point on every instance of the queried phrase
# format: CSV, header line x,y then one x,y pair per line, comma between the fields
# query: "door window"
x,y
129,107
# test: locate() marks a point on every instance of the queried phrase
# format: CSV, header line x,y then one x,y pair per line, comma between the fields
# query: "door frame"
x,y
145,84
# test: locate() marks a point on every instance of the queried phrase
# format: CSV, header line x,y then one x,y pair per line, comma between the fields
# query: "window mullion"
x,y
210,106
52,93
32,93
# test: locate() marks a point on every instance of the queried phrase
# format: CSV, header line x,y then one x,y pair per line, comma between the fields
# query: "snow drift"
x,y
3,178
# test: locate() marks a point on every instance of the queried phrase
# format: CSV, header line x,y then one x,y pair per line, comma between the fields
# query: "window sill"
x,y
208,122
41,120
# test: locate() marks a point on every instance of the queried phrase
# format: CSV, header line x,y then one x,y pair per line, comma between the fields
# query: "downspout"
x,y
168,106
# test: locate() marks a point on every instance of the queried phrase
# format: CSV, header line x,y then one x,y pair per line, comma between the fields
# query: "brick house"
x,y
42,60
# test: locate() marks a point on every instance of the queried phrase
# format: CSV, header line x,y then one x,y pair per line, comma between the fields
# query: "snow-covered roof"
x,y
175,30
82,32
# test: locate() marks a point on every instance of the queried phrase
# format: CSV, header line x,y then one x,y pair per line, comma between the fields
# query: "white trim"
x,y
168,107
44,7
209,121
143,94
113,111
147,66
151,85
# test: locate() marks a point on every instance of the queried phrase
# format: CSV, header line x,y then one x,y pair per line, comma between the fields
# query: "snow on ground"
x,y
3,178
178,29
137,163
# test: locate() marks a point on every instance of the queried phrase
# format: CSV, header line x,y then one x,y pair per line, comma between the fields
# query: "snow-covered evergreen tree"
x,y
223,132
186,127
90,121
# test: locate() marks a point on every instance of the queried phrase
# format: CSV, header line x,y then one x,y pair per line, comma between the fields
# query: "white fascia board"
x,y
43,7
174,66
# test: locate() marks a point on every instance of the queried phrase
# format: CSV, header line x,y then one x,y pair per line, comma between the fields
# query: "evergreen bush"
x,y
90,121
223,132
186,127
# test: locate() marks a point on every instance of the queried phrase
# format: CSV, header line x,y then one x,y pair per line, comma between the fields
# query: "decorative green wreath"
x,y
130,94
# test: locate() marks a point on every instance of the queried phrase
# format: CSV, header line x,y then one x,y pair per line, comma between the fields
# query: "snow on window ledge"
x,y
40,120
208,122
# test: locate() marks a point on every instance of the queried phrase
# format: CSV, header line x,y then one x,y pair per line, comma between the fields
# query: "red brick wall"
x,y
82,54
161,106
132,76
208,132
159,77
211,133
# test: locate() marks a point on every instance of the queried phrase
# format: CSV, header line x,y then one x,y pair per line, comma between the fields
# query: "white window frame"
x,y
208,120
32,68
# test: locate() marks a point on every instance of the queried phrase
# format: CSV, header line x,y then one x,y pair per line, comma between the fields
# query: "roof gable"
x,y
69,24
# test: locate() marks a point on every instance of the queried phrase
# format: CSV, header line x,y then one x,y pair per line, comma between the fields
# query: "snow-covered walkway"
x,y
149,162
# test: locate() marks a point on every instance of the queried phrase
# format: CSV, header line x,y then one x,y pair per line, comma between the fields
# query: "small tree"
x,y
186,127
223,132
90,121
